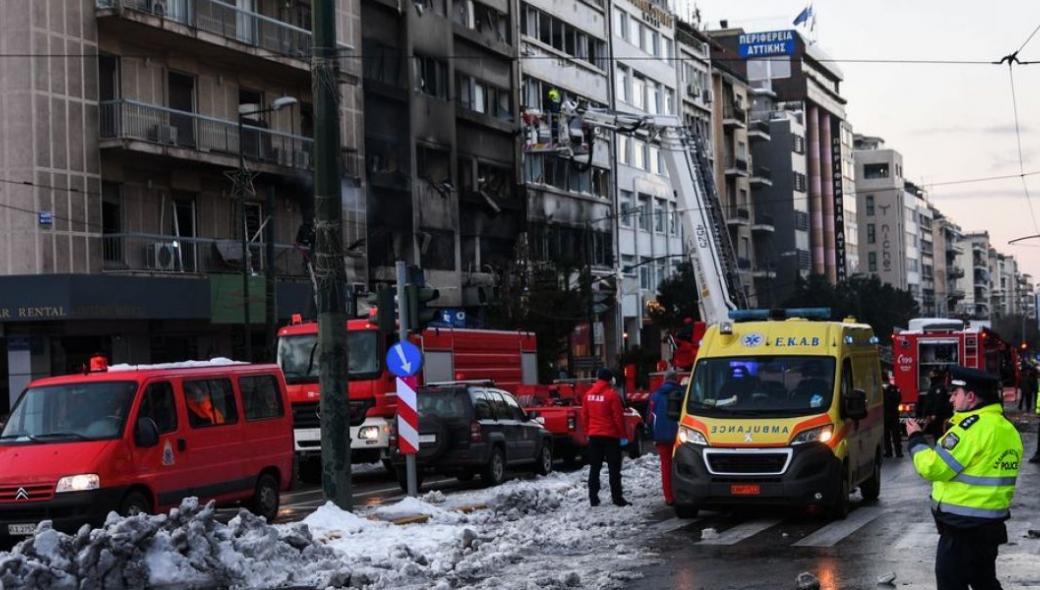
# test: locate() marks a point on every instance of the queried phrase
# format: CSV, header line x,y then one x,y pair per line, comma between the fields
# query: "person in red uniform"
x,y
604,422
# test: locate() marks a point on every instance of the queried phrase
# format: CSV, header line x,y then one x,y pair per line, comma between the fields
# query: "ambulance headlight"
x,y
368,433
78,483
821,434
691,436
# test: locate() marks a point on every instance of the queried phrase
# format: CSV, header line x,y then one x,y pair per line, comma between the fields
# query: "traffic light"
x,y
601,301
384,300
419,315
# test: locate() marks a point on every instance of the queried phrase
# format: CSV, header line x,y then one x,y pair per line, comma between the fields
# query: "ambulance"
x,y
781,410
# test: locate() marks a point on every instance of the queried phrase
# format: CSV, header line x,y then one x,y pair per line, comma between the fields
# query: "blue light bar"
x,y
751,315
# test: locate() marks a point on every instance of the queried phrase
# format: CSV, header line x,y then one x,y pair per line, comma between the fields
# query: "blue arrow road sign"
x,y
403,359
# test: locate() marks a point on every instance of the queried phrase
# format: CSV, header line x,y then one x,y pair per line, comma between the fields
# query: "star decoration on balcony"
x,y
242,181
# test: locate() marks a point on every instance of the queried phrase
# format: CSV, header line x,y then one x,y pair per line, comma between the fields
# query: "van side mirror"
x,y
146,432
854,405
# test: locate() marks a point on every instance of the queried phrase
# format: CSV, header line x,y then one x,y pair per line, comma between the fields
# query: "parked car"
x,y
140,439
467,429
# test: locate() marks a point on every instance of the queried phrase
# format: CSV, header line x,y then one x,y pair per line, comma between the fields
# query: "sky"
x,y
950,122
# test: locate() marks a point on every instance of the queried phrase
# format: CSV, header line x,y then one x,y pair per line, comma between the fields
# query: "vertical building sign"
x,y
839,206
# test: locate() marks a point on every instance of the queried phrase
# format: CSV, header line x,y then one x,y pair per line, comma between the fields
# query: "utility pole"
x,y
271,315
331,274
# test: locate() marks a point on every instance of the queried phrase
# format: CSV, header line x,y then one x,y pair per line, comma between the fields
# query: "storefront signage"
x,y
771,43
839,202
38,312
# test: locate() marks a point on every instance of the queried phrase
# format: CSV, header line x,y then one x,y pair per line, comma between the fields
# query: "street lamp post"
x,y
243,186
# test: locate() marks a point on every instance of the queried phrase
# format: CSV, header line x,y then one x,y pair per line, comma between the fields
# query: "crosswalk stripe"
x,y
920,534
672,524
834,532
742,531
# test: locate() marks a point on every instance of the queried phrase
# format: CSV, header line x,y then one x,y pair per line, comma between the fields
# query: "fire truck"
x,y
507,358
937,343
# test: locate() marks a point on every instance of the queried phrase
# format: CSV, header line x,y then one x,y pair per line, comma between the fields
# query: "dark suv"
x,y
466,429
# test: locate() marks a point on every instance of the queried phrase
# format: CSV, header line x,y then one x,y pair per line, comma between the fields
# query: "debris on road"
x,y
709,533
807,581
1033,533
886,579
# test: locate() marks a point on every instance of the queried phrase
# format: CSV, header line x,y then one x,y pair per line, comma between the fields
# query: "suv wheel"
x,y
135,503
544,463
494,472
265,498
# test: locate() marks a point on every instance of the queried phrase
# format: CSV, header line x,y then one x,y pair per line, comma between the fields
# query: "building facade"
x,y
886,232
121,233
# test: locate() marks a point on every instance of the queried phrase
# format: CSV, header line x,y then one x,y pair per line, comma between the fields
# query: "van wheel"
x,y
494,472
686,510
265,498
544,464
840,508
871,489
134,503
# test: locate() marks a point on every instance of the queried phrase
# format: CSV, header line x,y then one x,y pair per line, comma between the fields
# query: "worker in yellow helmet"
x,y
973,469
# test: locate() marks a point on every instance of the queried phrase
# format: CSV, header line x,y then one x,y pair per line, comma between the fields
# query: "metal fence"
x,y
129,119
226,20
178,254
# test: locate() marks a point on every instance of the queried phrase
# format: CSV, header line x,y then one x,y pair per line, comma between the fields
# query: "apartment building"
x,y
649,228
693,70
1003,271
440,142
800,72
978,298
1027,296
949,291
887,224
120,227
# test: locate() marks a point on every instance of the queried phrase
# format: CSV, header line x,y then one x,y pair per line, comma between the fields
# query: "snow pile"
x,y
215,362
525,534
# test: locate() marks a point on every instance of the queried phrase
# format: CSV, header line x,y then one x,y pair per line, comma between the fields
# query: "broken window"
x,y
382,63
431,76
437,249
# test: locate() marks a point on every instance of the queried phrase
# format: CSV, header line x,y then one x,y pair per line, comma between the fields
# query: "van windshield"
x,y
70,412
298,356
762,385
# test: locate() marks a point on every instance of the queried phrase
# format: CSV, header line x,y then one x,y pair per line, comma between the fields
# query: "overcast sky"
x,y
950,122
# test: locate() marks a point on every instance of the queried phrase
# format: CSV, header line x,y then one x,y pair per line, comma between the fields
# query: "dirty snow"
x,y
214,362
525,534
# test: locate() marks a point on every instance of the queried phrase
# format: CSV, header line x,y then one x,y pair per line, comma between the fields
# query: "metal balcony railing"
x,y
226,20
733,112
761,127
762,172
764,219
129,119
139,252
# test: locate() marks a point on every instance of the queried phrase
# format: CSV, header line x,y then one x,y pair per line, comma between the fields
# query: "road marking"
x,y
741,531
919,535
831,534
672,524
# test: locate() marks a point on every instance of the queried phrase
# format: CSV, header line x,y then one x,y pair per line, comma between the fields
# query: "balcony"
x,y
736,166
734,117
148,253
151,129
954,272
210,21
761,176
763,224
956,295
738,216
759,130
980,263
927,248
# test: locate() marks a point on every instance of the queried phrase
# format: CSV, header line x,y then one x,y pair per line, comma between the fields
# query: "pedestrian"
x,y
603,419
972,468
663,401
893,430
1027,387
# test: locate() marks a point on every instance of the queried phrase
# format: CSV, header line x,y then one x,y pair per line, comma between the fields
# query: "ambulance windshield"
x,y
70,412
298,356
765,385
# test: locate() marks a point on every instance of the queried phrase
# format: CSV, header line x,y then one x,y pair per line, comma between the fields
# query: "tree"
x,y
865,298
676,299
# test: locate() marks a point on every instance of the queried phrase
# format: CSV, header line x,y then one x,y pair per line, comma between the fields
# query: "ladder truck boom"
x,y
692,180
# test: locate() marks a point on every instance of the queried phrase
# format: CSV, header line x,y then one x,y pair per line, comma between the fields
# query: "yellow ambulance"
x,y
781,410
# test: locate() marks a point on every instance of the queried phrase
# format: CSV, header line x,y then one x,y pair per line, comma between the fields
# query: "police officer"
x,y
972,468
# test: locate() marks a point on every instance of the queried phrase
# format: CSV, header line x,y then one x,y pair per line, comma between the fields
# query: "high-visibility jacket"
x,y
973,467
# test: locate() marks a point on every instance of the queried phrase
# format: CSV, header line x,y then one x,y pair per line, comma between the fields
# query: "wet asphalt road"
x,y
767,550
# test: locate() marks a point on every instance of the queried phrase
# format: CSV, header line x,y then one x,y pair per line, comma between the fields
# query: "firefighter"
x,y
972,468
893,436
603,419
666,399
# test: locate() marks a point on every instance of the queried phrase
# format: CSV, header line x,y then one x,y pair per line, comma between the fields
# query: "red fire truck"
x,y
508,358
931,343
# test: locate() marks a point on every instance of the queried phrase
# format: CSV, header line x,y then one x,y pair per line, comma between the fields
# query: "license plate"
x,y
742,489
21,529
427,438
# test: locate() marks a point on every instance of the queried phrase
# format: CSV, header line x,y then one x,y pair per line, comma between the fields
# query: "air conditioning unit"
x,y
706,96
691,89
302,159
166,134
164,255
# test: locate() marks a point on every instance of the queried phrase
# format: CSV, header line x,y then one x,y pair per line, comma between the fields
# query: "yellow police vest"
x,y
974,465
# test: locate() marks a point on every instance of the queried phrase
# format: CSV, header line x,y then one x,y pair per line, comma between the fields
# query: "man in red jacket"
x,y
604,422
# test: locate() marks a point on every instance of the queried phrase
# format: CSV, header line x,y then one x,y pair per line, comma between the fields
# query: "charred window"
x,y
437,249
382,63
431,76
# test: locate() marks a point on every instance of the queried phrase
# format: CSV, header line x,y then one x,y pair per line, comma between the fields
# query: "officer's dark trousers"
x,y
967,558
600,448
893,437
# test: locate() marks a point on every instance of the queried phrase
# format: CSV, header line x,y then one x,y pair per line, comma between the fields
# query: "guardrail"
x,y
130,119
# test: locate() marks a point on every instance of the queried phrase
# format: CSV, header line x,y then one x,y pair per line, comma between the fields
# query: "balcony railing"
x,y
762,172
228,21
735,113
759,129
138,252
129,119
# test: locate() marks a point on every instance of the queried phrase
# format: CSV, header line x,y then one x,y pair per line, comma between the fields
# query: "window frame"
x,y
209,391
145,399
277,397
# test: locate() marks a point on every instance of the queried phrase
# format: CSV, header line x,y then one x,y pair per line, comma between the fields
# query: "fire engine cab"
x,y
938,343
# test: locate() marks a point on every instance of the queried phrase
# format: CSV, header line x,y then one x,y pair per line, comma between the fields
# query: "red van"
x,y
139,439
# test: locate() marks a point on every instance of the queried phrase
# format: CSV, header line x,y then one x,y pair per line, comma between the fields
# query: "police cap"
x,y
984,385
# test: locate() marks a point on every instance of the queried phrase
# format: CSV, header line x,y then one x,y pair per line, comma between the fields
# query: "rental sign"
x,y
768,44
